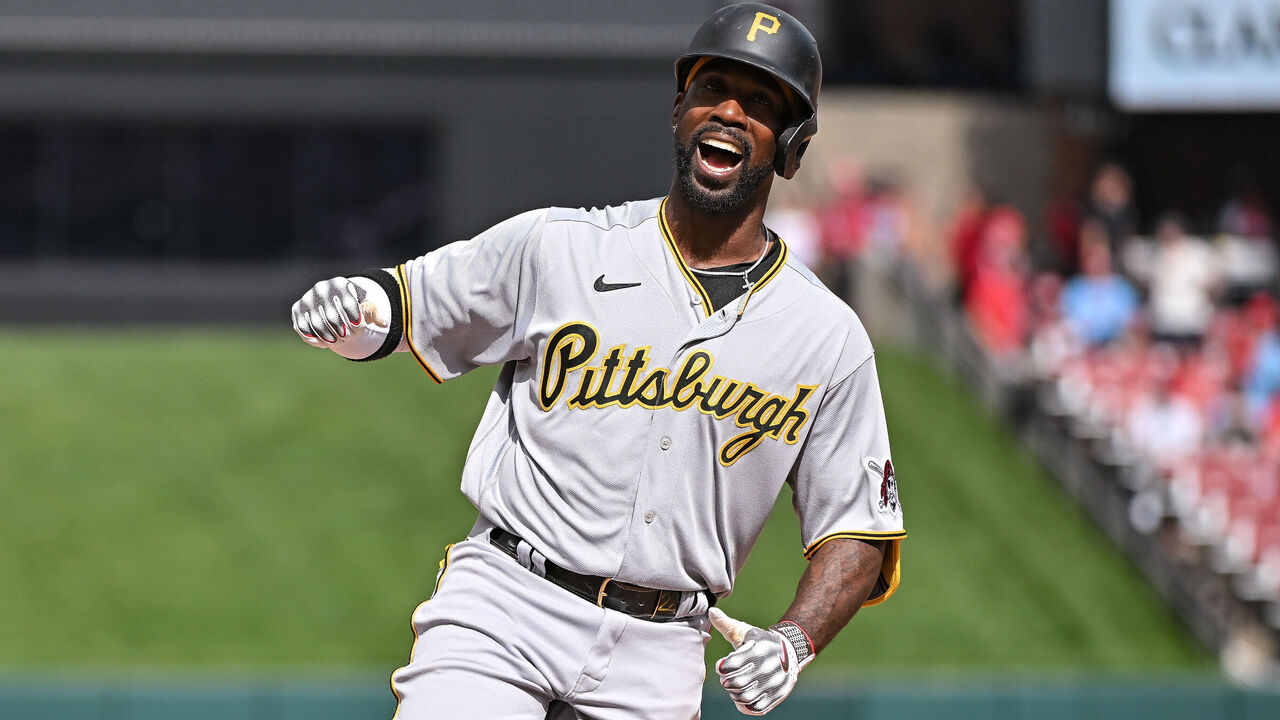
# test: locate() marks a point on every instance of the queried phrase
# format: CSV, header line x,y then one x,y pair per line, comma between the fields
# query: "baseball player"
x,y
667,367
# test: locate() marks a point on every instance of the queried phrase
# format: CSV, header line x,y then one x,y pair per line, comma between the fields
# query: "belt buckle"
x,y
600,596
667,606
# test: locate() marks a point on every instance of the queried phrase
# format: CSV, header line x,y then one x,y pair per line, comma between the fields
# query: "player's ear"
x,y
675,110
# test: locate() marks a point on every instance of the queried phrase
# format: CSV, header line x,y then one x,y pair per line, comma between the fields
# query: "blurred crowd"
x,y
1158,342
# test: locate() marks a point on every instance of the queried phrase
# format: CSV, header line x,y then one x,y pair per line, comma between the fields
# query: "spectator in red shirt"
x,y
996,300
842,227
964,238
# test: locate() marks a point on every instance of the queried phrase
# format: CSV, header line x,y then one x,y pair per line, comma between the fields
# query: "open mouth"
x,y
719,156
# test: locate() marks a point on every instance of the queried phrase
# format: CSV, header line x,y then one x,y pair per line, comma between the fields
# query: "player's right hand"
x,y
329,312
763,667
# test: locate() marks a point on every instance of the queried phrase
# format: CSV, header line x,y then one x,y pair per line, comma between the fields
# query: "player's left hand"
x,y
763,667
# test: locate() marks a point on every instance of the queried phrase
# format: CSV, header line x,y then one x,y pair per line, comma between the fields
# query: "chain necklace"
x,y
746,274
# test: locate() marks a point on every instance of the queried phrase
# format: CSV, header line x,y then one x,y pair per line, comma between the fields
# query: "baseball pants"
x,y
497,641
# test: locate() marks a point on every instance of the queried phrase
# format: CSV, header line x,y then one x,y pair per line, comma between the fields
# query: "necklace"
x,y
746,274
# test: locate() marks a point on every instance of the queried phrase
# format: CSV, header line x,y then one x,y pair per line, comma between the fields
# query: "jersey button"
x,y
649,516
665,443
695,300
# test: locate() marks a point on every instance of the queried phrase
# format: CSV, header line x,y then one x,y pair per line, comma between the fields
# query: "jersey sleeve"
x,y
468,304
844,483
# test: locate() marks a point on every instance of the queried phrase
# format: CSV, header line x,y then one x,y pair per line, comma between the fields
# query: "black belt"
x,y
640,602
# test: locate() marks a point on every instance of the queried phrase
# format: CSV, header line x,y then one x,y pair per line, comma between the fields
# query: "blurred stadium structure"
x,y
168,161
328,134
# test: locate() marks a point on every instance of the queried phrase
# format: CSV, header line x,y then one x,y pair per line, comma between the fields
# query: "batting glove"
x,y
764,665
346,315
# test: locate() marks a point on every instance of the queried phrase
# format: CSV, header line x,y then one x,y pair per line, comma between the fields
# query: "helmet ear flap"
x,y
792,142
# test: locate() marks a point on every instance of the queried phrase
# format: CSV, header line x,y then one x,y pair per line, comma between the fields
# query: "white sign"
x,y
1195,54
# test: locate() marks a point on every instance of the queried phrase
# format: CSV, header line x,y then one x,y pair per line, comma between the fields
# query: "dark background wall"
x,y
324,130
341,133
206,130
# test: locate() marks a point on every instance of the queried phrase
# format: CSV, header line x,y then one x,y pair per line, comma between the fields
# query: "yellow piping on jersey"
x,y
890,568
860,535
444,568
769,274
407,313
684,268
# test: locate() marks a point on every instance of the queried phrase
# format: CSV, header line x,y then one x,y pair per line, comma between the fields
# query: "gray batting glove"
x,y
329,312
764,665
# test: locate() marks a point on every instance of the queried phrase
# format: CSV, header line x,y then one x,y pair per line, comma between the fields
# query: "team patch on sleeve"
x,y
888,501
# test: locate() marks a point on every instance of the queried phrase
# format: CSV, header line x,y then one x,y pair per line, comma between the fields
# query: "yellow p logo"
x,y
759,24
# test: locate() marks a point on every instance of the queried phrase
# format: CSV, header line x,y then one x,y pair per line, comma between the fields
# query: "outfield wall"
x,y
1096,699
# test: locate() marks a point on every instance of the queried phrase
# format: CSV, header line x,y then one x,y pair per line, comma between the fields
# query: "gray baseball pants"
x,y
497,641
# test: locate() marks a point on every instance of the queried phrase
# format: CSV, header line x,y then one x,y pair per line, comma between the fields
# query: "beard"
x,y
717,200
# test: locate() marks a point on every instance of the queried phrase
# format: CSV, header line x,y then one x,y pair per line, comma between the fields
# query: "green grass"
x,y
235,499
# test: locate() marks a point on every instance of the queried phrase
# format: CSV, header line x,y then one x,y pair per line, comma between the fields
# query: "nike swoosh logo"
x,y
786,666
602,286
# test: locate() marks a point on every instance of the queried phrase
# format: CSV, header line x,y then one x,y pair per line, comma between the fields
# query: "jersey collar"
x,y
770,273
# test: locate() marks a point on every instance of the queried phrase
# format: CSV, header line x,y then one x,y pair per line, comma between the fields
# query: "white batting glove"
x,y
346,315
764,665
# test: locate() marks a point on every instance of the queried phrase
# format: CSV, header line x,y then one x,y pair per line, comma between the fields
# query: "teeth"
x,y
722,145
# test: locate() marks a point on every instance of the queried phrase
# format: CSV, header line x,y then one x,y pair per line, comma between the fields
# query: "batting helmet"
x,y
770,39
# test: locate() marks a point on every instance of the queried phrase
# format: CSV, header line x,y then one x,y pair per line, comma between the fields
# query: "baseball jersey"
x,y
634,432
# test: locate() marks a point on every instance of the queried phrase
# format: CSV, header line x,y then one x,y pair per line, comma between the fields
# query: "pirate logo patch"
x,y
888,484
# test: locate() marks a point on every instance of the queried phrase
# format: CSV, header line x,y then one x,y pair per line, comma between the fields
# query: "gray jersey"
x,y
635,434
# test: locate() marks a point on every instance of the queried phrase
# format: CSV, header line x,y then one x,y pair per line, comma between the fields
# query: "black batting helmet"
x,y
770,39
